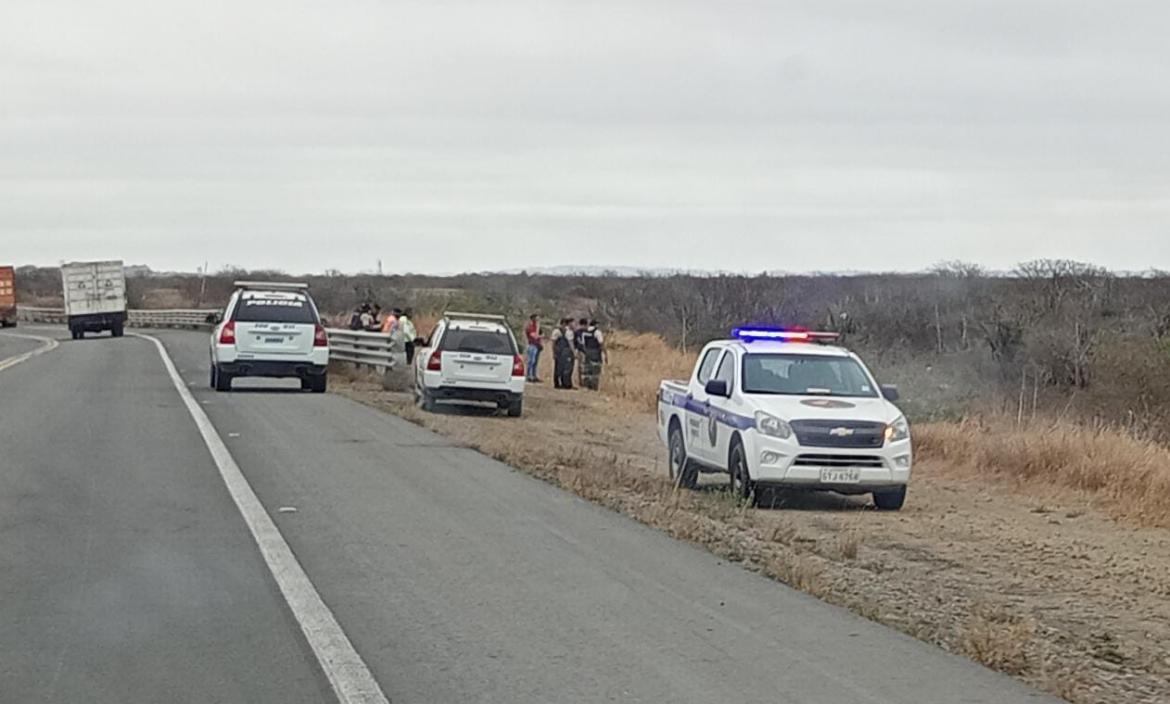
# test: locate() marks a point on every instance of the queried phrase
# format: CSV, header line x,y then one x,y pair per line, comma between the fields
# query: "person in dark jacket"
x,y
592,346
562,339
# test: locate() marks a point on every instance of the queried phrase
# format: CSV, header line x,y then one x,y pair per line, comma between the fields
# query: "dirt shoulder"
x,y
1035,582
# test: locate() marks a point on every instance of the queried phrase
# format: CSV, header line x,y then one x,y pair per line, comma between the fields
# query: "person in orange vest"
x,y
391,321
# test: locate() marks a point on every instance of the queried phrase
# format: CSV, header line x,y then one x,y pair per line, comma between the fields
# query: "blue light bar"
x,y
749,334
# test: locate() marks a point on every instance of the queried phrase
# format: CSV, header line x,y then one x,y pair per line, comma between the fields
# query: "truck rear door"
x,y
94,287
7,290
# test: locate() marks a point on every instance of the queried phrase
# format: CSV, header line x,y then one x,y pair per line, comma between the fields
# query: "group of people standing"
x,y
576,343
369,318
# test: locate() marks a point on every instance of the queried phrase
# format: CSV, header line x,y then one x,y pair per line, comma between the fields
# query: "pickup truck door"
x,y
722,411
700,443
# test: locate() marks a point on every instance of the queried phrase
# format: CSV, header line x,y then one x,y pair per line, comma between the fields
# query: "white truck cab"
x,y
780,408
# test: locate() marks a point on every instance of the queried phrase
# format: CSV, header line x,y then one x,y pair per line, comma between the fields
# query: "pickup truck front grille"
x,y
838,461
839,433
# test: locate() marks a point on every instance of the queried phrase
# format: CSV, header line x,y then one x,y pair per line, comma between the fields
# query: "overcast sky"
x,y
450,136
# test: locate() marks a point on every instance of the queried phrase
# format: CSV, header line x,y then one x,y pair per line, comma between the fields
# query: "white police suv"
x,y
470,357
782,408
270,329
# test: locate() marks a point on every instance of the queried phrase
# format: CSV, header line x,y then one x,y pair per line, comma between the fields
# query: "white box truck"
x,y
95,297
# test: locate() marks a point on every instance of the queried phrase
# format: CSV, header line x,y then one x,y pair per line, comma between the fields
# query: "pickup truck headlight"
x,y
898,430
769,424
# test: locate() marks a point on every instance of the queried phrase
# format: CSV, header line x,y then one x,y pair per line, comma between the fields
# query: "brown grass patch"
x,y
999,639
1127,476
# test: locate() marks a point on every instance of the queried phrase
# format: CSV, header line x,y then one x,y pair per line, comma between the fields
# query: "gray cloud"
x,y
455,135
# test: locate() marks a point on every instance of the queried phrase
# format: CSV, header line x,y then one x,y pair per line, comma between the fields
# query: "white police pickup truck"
x,y
782,408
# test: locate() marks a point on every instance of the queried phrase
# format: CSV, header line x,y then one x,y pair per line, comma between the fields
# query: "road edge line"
x,y
348,675
49,344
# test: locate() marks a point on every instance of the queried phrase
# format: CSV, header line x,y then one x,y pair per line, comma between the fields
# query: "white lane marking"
x,y
47,343
351,680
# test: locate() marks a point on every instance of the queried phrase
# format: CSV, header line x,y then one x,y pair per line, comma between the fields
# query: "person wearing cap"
x,y
535,345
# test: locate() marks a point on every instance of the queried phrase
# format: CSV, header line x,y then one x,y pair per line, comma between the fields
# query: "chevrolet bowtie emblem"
x,y
841,432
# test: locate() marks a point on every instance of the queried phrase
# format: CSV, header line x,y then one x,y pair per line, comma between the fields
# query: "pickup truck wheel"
x,y
891,499
683,472
516,408
213,375
426,401
116,331
740,483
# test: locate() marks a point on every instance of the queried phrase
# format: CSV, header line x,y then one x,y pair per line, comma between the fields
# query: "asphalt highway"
x,y
127,573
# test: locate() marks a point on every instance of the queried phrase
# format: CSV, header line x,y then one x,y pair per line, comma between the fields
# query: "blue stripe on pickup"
x,y
719,415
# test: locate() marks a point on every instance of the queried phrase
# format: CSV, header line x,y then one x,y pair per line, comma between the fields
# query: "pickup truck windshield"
x,y
805,375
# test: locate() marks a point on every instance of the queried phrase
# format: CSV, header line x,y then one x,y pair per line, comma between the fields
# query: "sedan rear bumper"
x,y
461,393
277,369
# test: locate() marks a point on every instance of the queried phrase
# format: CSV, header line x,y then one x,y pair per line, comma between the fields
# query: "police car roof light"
x,y
750,334
271,286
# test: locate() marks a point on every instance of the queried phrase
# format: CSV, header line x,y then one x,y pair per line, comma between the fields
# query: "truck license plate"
x,y
274,340
840,475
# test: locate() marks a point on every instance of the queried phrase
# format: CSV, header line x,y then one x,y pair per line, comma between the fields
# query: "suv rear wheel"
x,y
223,380
516,408
319,384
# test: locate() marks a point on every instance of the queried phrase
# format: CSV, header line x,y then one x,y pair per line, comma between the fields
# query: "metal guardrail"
x,y
172,318
358,347
373,348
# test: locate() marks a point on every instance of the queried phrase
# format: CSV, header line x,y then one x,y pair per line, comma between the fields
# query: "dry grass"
x,y
1127,476
999,639
638,364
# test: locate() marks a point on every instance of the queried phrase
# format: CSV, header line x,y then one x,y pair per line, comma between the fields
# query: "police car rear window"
x,y
275,310
480,341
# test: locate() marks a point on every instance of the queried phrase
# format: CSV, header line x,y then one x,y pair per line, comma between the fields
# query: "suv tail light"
x,y
517,365
320,337
435,363
227,336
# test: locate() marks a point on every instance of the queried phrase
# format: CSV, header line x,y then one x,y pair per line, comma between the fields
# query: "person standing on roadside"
x,y
535,345
366,319
390,322
409,334
579,348
562,339
593,352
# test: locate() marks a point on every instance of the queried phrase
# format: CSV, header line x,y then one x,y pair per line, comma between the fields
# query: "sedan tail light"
x,y
320,337
435,362
227,336
517,365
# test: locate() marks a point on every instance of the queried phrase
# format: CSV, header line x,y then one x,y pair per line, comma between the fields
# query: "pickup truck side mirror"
x,y
716,387
890,393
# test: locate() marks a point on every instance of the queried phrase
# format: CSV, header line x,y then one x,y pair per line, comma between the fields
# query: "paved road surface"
x,y
126,576
11,344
